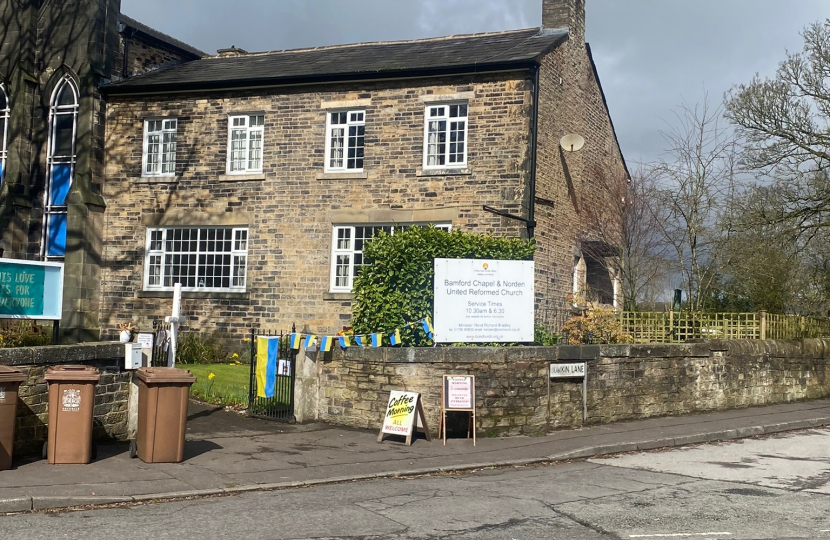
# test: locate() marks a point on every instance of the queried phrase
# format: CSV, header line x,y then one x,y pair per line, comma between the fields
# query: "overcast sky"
x,y
651,54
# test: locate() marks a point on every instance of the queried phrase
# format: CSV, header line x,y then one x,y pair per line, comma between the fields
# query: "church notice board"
x,y
458,393
404,416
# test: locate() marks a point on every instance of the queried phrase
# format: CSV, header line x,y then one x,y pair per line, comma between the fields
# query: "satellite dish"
x,y
572,142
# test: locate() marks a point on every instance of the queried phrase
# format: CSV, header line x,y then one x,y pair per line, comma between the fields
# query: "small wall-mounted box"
x,y
132,356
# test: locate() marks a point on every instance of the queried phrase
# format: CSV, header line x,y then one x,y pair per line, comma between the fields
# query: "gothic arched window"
x,y
63,126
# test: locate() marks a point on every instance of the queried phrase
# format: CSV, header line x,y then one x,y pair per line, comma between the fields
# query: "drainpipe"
x,y
531,211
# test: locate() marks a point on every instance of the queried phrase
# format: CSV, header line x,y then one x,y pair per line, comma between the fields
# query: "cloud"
x,y
446,17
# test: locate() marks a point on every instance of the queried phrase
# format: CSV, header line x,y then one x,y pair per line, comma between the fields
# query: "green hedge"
x,y
396,286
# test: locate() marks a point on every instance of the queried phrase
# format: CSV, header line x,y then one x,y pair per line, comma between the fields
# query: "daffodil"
x,y
211,376
234,355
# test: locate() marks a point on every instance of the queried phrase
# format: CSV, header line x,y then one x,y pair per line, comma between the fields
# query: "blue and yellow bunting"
x,y
428,330
375,340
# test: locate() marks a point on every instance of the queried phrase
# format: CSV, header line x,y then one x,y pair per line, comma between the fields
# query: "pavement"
x,y
227,453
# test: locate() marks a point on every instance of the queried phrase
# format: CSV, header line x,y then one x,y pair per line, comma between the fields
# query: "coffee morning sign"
x,y
483,301
400,413
404,416
30,290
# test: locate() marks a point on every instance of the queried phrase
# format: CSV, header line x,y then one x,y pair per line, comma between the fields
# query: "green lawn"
x,y
228,387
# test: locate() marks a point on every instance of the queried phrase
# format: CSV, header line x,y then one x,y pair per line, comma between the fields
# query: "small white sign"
x,y
481,301
145,340
284,367
400,413
2,394
558,371
459,392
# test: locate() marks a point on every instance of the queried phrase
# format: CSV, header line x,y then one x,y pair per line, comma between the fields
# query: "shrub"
x,y
598,325
196,348
545,337
23,334
396,286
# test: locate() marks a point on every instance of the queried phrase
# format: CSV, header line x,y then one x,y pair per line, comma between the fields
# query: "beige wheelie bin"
x,y
71,403
10,381
163,394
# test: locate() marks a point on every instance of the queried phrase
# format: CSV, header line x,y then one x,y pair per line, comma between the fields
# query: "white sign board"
x,y
483,301
459,392
145,340
400,413
559,371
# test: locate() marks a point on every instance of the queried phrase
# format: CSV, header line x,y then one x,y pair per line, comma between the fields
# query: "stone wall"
x,y
112,393
625,382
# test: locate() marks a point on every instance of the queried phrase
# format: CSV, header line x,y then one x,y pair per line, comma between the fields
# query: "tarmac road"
x,y
774,487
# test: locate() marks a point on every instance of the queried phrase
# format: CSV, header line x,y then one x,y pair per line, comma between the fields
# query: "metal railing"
x,y
281,406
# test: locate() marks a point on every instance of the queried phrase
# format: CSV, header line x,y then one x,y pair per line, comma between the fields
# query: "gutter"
x,y
134,88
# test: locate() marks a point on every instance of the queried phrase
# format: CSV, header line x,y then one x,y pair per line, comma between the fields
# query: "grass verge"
x,y
229,385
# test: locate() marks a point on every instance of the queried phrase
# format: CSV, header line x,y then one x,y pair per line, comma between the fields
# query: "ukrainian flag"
x,y
375,341
395,338
294,341
428,330
266,365
325,343
309,340
344,342
358,340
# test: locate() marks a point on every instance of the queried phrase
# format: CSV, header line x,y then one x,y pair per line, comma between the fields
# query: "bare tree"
x,y
785,122
630,243
696,180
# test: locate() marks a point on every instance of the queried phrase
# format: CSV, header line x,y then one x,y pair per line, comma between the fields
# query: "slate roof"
x,y
453,54
159,36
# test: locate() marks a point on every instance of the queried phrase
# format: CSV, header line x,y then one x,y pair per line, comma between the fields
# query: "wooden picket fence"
x,y
677,327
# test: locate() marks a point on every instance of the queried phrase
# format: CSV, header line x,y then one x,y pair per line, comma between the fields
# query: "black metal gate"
x,y
281,406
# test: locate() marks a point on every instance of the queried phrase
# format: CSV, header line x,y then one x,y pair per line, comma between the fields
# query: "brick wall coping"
x,y
61,354
813,348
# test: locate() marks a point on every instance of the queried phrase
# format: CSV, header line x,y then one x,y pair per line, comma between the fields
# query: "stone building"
x,y
256,179
54,57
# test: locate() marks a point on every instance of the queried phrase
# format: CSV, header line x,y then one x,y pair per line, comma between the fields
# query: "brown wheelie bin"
x,y
162,414
71,402
10,381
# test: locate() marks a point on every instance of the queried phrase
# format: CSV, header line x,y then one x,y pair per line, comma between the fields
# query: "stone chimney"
x,y
568,14
233,51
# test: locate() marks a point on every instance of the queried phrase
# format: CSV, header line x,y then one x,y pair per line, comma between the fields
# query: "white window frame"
x,y
250,132
156,253
354,118
162,162
350,251
4,130
429,110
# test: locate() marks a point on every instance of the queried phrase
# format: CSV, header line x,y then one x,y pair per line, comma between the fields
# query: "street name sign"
x,y
567,370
